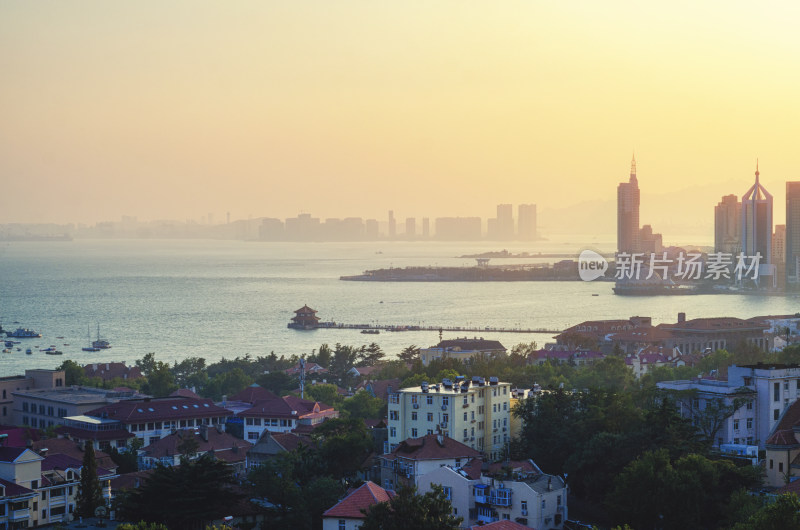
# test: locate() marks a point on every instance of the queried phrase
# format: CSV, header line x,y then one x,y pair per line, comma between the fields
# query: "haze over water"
x,y
217,299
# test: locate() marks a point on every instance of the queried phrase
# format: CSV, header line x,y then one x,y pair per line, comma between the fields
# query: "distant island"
x,y
525,255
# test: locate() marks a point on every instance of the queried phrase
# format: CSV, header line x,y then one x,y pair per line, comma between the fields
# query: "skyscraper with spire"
x,y
628,213
757,224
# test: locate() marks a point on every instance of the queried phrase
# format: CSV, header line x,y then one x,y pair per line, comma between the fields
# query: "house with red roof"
x,y
283,415
271,444
347,514
110,371
203,440
414,457
783,448
151,419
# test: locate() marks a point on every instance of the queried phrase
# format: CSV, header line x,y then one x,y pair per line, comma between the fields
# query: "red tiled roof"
x,y
171,408
715,324
381,387
289,440
100,436
792,487
471,344
9,454
501,525
429,448
109,371
130,480
285,407
185,392
19,436
217,441
71,448
13,490
359,499
784,437
253,393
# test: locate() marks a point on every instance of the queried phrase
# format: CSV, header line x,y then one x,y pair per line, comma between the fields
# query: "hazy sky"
x,y
179,109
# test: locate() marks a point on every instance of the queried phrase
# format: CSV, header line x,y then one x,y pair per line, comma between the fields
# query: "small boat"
x,y
100,344
48,350
9,344
53,352
7,350
92,344
370,331
28,351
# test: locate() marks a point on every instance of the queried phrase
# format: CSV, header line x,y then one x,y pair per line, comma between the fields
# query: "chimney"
x,y
681,318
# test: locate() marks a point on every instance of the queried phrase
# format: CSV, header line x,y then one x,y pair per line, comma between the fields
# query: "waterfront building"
x,y
792,246
302,228
526,222
649,242
392,225
728,225
501,228
305,318
168,450
628,213
756,219
426,228
476,413
461,349
411,228
110,371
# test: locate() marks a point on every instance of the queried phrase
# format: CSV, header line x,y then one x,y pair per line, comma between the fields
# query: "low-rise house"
x,y
521,493
110,371
782,461
192,444
283,415
311,369
462,349
644,360
103,433
152,419
271,444
380,388
40,379
347,514
414,457
575,357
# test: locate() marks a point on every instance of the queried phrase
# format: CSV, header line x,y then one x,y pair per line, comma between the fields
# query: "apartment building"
x,y
525,496
475,413
47,407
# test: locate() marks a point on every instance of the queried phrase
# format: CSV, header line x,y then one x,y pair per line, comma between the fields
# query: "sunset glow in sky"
x,y
173,110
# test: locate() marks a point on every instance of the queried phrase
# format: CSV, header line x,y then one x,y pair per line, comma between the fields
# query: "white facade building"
x,y
475,413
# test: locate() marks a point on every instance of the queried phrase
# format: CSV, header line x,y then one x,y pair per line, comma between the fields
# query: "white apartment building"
x,y
767,390
530,498
475,413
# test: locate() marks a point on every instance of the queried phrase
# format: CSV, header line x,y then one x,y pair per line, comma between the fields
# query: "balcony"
x,y
17,515
487,518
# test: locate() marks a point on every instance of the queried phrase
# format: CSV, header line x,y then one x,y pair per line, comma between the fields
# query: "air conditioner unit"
x,y
444,407
416,405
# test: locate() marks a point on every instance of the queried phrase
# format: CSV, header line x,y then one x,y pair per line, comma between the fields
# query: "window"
x,y
34,484
749,423
472,415
558,500
448,492
466,400
445,401
465,416
430,416
394,415
413,415
392,432
342,523
750,403
445,418
414,432
252,436
394,398
465,434
780,467
735,425
429,400
776,414
776,391
25,406
414,399
786,385
770,464
505,406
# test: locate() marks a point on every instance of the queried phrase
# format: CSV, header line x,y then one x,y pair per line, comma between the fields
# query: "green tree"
x,y
343,445
431,511
90,495
228,383
191,372
185,496
127,461
324,393
73,373
784,513
371,355
409,354
142,525
277,382
363,406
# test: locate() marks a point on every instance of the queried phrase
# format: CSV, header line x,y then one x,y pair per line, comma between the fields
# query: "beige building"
x,y
475,413
47,407
31,379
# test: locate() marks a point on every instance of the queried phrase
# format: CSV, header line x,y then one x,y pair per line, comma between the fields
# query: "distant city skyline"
x,y
269,109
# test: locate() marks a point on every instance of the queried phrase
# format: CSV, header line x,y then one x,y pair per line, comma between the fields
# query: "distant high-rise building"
x,y
757,225
426,228
411,228
793,235
649,242
505,222
628,213
392,225
728,225
371,229
779,244
526,222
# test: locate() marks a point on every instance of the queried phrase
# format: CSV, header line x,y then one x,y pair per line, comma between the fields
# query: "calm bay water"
x,y
217,299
